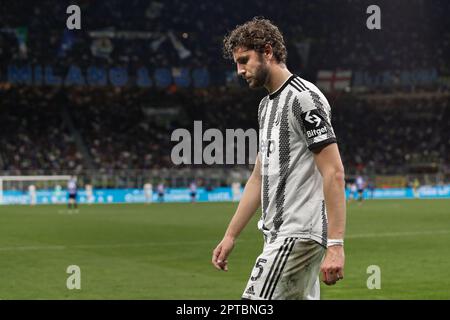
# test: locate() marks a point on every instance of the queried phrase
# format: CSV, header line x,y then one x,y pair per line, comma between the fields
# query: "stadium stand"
x,y
396,129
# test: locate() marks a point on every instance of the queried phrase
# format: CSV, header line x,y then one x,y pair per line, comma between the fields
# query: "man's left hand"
x,y
332,268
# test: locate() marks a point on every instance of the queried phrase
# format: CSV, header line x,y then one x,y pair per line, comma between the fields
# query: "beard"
x,y
261,75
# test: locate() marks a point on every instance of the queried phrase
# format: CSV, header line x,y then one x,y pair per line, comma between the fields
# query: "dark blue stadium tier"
x,y
322,34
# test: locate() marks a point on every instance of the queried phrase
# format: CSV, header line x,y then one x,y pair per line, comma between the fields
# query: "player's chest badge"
x,y
278,118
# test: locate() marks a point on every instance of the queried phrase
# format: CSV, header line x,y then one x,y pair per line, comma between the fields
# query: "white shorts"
x,y
287,269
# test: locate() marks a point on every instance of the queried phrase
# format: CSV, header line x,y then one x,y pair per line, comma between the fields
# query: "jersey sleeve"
x,y
312,119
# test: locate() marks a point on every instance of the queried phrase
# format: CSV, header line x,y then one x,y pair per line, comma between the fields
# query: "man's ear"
x,y
268,52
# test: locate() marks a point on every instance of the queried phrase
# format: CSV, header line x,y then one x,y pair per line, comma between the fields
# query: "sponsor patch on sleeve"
x,y
315,125
317,130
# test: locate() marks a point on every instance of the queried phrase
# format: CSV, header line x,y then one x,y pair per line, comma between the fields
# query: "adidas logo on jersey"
x,y
250,290
316,132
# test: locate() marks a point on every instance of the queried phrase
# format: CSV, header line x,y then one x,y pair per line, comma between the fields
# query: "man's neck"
x,y
278,76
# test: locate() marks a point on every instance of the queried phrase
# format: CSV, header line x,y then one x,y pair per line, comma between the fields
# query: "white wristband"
x,y
335,242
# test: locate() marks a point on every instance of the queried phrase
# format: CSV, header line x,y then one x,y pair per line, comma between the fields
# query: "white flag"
x,y
183,53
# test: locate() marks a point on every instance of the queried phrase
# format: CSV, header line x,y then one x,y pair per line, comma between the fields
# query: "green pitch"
x,y
163,251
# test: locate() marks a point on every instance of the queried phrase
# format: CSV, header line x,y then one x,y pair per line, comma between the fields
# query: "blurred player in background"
x,y
360,185
89,193
415,187
161,191
148,192
298,176
72,189
32,194
193,191
236,191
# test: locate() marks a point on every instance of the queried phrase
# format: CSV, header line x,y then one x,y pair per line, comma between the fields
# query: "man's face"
x,y
251,66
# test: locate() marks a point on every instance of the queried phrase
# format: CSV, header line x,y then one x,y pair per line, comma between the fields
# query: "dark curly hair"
x,y
254,35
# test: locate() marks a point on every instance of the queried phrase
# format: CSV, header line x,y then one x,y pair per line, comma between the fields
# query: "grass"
x,y
163,251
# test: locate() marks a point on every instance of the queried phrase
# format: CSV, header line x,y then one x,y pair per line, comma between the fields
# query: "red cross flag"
x,y
330,81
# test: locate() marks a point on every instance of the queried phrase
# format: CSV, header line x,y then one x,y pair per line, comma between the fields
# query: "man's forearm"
x,y
334,192
250,202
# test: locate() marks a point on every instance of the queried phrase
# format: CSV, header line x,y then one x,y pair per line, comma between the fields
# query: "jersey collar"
x,y
278,91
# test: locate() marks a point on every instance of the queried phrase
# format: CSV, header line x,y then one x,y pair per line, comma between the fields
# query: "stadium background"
x,y
102,102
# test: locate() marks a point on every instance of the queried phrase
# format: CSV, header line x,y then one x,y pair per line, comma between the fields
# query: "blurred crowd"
x,y
33,134
387,136
111,128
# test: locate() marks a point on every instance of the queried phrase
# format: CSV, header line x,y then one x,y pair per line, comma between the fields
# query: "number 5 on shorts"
x,y
260,268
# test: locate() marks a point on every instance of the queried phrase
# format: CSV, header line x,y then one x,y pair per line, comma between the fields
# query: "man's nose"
x,y
241,71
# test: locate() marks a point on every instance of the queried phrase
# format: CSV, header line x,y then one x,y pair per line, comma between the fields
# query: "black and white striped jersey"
x,y
293,122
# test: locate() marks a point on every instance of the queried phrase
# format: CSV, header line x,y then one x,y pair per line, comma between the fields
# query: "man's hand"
x,y
332,268
221,252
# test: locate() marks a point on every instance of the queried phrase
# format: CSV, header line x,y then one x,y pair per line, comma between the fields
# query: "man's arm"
x,y
329,163
250,202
